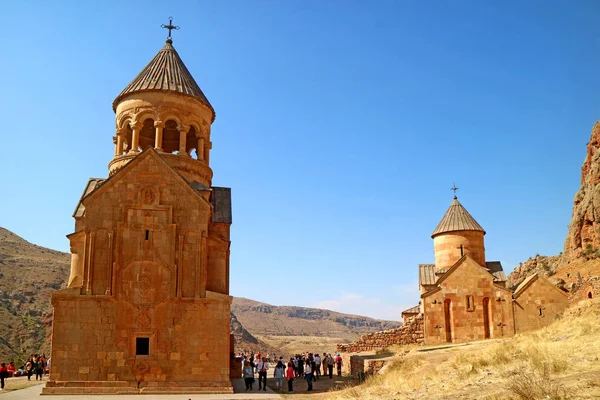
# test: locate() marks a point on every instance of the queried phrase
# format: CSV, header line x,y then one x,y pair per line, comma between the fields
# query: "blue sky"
x,y
341,126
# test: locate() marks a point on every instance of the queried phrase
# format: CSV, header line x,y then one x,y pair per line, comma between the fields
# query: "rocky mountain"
x,y
583,239
29,273
579,266
545,265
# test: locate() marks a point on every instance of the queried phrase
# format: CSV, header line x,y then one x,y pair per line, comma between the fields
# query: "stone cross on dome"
x,y
170,27
454,188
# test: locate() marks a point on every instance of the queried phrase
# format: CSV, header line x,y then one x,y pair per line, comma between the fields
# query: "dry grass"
x,y
547,364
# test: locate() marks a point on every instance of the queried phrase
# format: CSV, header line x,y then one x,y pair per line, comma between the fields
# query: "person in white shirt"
x,y
263,367
317,370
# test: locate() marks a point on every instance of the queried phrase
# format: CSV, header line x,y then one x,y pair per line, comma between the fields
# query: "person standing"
x,y
308,375
40,363
338,364
300,366
263,367
3,375
278,374
290,374
248,374
317,365
330,366
29,367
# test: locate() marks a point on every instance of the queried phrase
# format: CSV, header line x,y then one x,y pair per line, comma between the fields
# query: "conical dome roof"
x,y
165,72
457,218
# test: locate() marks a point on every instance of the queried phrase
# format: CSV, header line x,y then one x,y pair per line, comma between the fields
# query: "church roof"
x,y
457,218
427,274
166,72
495,267
413,310
92,184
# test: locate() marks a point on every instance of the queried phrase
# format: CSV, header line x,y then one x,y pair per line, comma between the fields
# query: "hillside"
x,y
29,273
298,329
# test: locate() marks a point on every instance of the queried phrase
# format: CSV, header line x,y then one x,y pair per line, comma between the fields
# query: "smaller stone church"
x,y
465,297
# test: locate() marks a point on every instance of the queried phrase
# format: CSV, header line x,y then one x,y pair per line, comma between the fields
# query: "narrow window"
x,y
470,303
462,250
147,234
142,346
541,312
590,295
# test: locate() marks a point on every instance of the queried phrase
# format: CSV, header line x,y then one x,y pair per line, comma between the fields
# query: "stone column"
x,y
158,138
200,149
119,147
135,138
182,138
207,152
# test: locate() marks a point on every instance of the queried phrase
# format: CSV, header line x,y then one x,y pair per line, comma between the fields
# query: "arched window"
x,y
590,295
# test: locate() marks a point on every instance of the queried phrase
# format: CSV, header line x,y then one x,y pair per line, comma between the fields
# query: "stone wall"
x,y
368,365
412,333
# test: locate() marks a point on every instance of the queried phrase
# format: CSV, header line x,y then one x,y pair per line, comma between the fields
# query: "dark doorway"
x,y
487,332
590,295
448,319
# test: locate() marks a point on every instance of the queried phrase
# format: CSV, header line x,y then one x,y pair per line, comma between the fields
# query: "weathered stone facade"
x,y
537,303
467,305
147,308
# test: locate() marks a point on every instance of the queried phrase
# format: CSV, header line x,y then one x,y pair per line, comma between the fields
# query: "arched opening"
x,y
126,135
170,137
487,331
590,295
191,142
448,319
147,134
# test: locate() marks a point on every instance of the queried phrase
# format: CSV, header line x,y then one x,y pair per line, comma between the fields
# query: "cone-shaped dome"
x,y
457,218
165,72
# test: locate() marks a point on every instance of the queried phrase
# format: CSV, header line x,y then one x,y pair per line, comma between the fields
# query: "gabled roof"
x,y
413,310
427,274
529,281
457,218
92,184
165,72
149,152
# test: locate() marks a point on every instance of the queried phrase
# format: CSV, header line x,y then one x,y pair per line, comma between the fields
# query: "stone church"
x,y
465,297
147,306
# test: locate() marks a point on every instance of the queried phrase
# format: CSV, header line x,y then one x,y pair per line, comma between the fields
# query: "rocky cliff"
x,y
583,239
545,265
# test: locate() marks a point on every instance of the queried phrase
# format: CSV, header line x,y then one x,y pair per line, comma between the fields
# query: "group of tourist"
x,y
37,364
306,366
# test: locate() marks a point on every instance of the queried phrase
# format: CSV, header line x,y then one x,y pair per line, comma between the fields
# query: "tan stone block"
x,y
84,369
175,356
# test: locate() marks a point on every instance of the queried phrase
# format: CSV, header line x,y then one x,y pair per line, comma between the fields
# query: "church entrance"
x,y
486,318
448,319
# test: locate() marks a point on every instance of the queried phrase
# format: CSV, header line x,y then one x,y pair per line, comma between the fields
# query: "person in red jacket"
x,y
290,374
11,369
3,375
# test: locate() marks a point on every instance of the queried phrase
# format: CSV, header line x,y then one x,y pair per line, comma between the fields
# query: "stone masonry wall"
x,y
412,333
